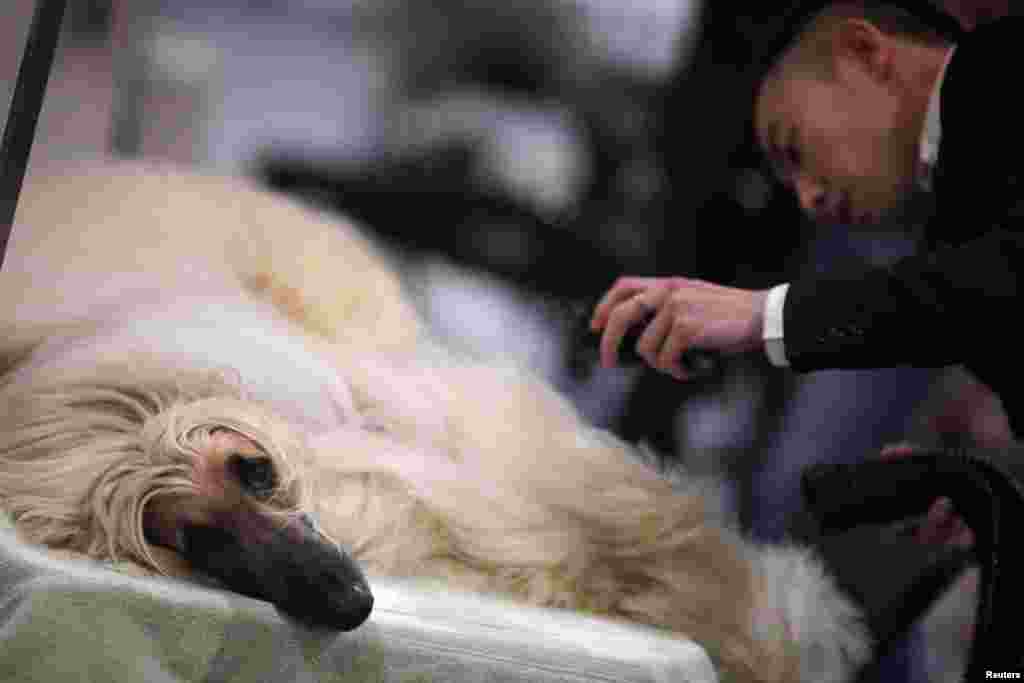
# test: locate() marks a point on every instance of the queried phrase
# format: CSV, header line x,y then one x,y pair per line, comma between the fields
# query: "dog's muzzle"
x,y
292,566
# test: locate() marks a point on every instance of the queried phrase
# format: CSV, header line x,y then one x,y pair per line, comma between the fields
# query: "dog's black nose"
x,y
353,607
341,607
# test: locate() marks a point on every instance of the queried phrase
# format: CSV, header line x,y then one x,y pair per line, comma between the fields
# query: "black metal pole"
x,y
26,104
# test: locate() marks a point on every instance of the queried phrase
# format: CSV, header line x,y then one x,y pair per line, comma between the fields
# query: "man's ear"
x,y
859,46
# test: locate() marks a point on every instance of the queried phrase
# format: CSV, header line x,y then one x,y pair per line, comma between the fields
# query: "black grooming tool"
x,y
892,594
585,347
985,488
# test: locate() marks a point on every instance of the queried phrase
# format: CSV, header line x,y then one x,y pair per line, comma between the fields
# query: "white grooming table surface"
x,y
464,637
63,621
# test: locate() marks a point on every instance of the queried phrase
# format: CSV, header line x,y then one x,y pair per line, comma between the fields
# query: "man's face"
x,y
846,145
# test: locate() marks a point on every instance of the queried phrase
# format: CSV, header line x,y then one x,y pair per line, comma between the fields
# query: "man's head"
x,y
841,111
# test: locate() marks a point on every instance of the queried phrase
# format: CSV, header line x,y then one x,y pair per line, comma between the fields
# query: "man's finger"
x,y
672,352
624,316
946,527
937,522
962,536
942,526
623,289
653,336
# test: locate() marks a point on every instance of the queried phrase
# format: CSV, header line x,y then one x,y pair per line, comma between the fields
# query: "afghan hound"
x,y
202,377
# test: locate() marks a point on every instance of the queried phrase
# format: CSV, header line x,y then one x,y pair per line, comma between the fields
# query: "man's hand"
x,y
687,314
941,526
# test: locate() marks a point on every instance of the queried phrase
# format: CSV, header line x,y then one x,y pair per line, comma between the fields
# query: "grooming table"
x,y
76,621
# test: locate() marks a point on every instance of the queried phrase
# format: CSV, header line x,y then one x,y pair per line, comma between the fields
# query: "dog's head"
x,y
132,460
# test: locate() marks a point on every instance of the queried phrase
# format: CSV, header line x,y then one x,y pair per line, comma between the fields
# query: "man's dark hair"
x,y
889,17
804,39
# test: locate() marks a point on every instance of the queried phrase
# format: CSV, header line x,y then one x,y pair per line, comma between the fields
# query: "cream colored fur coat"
x,y
421,462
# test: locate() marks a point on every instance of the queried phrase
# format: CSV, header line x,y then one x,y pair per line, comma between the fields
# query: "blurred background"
x,y
518,156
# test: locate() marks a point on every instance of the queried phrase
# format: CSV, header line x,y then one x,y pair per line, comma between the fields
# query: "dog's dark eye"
x,y
254,473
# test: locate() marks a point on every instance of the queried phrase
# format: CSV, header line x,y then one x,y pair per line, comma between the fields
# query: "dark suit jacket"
x,y
957,302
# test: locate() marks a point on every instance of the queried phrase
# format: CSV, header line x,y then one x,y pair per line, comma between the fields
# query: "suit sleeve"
x,y
928,310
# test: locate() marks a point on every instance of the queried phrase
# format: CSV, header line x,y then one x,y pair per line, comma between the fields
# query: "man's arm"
x,y
925,310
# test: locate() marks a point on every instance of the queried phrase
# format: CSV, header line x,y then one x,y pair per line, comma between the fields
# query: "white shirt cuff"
x,y
774,342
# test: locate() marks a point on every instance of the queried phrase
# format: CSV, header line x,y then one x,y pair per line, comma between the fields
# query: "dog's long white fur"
x,y
423,463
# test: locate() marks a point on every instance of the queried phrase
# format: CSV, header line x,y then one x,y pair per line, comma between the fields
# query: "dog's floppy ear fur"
x,y
83,450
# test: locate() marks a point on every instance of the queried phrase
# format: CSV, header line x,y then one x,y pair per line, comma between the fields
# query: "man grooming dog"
x,y
866,103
